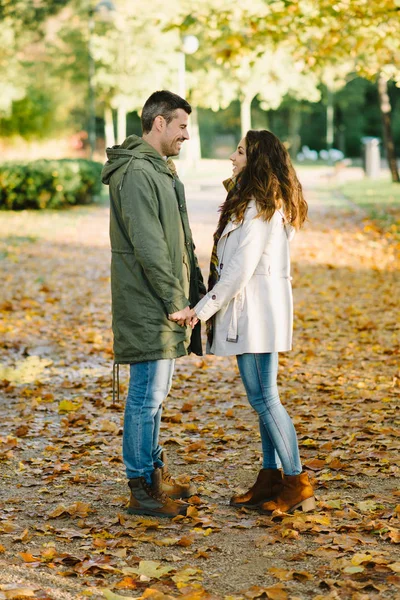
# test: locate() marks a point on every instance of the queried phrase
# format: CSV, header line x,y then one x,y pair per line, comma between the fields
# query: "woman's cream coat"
x,y
252,299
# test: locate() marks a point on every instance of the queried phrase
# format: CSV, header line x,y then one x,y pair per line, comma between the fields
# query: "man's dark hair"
x,y
162,103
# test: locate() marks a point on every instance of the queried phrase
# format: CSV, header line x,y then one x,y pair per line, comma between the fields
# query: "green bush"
x,y
48,183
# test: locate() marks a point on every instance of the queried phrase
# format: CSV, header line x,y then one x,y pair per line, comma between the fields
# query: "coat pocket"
x,y
263,269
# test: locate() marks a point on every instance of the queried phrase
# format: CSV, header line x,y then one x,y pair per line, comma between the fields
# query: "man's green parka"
x,y
154,270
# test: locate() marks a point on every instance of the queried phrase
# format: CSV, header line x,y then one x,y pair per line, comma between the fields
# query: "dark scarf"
x,y
171,166
226,214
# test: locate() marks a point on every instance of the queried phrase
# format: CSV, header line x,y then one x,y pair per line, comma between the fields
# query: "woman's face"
x,y
239,158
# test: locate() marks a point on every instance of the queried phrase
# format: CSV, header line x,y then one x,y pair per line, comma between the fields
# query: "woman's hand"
x,y
184,317
194,319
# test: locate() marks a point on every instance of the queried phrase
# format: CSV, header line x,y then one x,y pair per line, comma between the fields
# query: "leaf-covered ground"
x,y
64,530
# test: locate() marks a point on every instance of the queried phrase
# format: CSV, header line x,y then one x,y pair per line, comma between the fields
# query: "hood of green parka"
x,y
134,147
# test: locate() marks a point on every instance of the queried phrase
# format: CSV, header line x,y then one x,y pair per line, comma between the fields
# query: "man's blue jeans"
x,y
150,383
278,436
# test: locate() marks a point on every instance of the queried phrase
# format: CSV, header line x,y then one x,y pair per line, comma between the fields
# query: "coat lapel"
x,y
230,226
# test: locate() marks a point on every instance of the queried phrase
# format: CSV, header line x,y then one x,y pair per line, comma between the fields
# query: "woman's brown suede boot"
x,y
266,487
296,493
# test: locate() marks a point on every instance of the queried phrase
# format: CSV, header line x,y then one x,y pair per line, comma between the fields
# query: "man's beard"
x,y
171,149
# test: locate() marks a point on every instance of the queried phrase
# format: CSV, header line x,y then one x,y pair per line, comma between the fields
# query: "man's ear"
x,y
159,123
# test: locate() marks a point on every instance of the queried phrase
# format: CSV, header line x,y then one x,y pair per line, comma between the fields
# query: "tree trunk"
x,y
386,111
109,127
330,122
190,153
121,123
194,143
245,115
294,130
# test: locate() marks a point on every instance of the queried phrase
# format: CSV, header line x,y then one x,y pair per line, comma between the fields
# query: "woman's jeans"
x,y
150,383
278,436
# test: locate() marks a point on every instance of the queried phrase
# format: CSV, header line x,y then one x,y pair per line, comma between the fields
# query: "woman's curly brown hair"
x,y
268,178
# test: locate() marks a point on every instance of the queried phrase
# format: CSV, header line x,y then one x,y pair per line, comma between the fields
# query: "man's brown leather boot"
x,y
266,487
175,487
296,493
151,500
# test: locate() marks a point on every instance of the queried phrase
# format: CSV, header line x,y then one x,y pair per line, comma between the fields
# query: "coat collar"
x,y
232,224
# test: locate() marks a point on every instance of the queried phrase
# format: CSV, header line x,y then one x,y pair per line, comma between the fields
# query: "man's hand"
x,y
182,317
187,316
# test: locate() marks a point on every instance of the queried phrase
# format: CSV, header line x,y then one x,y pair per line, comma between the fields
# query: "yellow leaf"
x,y
395,567
11,592
77,509
334,504
109,426
276,593
171,541
111,596
353,569
26,371
290,533
66,406
187,575
151,569
367,506
359,558
282,574
308,442
155,595
321,519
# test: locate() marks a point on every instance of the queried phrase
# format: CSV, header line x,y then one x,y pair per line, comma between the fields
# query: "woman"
x,y
249,308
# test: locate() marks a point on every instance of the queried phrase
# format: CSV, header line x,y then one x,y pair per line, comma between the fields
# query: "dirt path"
x,y
63,529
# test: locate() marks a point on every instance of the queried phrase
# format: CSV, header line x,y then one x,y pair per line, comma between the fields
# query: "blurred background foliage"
x,y
75,73
44,184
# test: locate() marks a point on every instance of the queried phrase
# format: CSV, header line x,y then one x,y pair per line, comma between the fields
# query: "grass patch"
x,y
18,228
379,198
17,240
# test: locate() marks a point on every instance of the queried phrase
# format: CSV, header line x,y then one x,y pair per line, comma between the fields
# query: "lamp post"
x,y
104,8
190,45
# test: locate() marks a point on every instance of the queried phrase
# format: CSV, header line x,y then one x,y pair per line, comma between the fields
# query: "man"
x,y
155,279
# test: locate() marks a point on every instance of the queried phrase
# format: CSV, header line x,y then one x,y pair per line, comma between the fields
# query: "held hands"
x,y
194,319
183,317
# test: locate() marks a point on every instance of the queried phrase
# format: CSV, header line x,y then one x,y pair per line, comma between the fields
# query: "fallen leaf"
x,y
273,593
12,592
66,406
28,557
77,509
109,595
151,569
